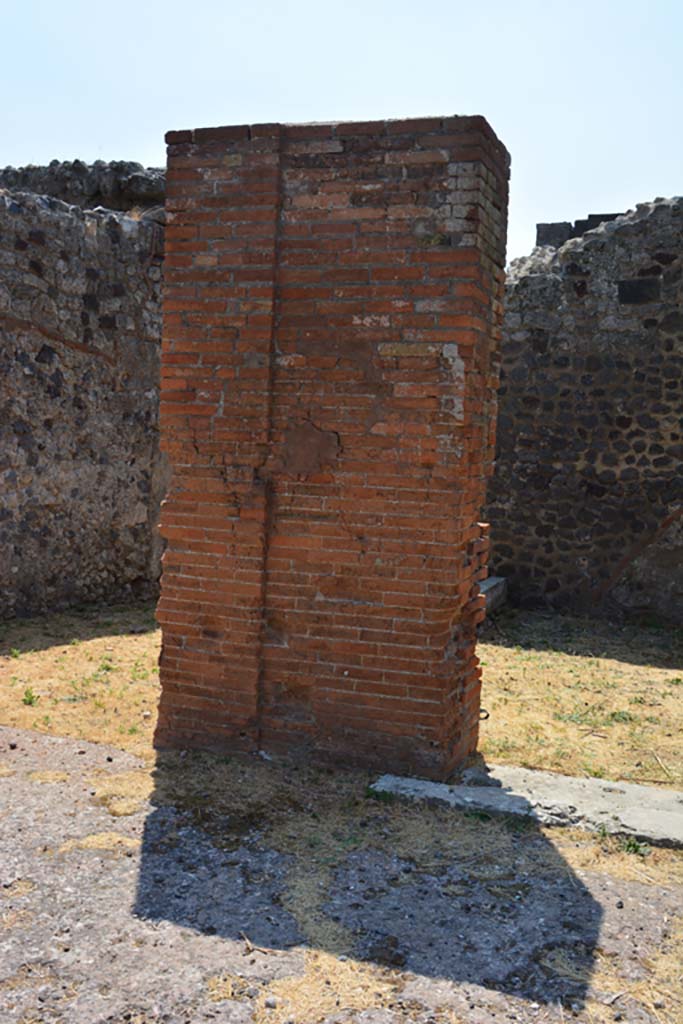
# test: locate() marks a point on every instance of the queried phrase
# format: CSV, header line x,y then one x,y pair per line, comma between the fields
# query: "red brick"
x,y
327,381
173,138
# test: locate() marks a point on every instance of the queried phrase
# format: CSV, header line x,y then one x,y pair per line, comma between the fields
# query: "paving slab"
x,y
495,590
647,813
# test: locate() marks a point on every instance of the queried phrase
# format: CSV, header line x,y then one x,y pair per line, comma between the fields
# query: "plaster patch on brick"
x,y
307,449
453,403
371,321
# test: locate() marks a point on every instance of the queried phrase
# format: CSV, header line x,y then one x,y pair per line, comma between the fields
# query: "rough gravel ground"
x,y
205,889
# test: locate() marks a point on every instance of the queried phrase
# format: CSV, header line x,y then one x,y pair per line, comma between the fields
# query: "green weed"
x,y
629,844
621,716
379,794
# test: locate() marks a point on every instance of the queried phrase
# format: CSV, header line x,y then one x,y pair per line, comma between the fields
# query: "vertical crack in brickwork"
x,y
266,480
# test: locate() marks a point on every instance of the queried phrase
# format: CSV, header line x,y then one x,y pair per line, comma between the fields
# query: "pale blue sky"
x,y
587,96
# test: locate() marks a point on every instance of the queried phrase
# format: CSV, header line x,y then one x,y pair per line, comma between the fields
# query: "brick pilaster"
x,y
330,350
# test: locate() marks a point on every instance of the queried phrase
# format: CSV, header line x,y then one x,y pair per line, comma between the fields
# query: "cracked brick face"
x,y
330,359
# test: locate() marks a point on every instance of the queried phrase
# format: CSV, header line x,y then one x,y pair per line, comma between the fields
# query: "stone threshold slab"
x,y
621,808
495,590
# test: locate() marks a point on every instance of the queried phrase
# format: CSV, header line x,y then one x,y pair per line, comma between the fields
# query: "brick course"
x,y
330,358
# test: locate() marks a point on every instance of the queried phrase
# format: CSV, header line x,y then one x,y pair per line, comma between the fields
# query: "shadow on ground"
x,y
41,632
658,646
282,856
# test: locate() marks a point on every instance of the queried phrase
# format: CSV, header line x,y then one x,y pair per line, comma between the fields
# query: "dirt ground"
x,y
187,889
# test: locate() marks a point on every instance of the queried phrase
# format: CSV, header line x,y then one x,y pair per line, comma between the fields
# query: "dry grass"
x,y
660,993
326,986
229,986
610,855
122,793
91,675
32,976
101,842
547,681
316,818
15,918
48,777
28,976
574,695
584,697
319,834
18,888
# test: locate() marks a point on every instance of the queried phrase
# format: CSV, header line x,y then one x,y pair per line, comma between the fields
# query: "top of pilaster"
x,y
475,127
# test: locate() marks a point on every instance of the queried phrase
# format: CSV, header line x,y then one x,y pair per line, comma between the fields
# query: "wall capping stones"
x,y
556,234
116,185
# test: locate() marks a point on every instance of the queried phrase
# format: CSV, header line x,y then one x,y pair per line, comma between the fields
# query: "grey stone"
x,y
494,590
118,185
556,234
586,501
80,471
622,808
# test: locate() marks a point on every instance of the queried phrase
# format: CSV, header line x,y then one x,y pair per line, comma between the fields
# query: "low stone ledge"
x,y
619,808
495,590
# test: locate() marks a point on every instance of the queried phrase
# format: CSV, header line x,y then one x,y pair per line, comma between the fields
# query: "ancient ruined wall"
x,y
560,232
117,185
586,504
79,367
331,321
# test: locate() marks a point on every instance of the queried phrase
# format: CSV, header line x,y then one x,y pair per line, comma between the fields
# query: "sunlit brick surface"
x,y
330,359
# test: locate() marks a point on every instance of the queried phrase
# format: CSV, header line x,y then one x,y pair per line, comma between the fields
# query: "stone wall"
x,y
332,311
118,185
560,232
586,503
79,369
